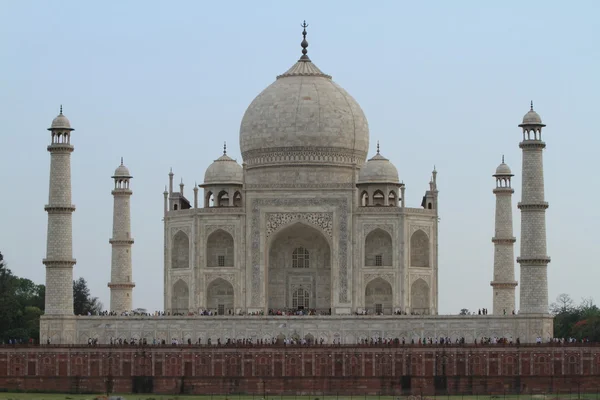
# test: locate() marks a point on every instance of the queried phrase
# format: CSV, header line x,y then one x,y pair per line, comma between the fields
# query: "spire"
x,y
224,148
531,105
304,43
502,158
61,109
121,160
378,147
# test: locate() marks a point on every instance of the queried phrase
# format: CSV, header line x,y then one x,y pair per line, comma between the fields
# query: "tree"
x,y
564,304
83,302
21,304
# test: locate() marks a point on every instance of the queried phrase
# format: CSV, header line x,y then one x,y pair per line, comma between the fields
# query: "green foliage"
x,y
17,295
580,322
83,302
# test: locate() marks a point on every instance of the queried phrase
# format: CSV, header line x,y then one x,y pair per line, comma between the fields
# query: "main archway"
x,y
299,275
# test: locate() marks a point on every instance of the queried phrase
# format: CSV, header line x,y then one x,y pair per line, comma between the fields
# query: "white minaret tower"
x,y
59,259
504,265
120,283
534,260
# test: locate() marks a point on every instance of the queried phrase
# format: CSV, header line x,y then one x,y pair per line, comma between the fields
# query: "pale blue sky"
x,y
164,83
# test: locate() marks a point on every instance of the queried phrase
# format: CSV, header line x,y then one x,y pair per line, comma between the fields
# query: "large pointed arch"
x,y
419,249
419,297
180,297
378,249
299,257
220,297
378,297
220,249
180,251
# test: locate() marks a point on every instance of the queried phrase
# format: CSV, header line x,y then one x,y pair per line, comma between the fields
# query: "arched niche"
x,y
223,199
220,249
180,251
378,297
364,199
237,199
220,297
378,249
419,249
419,297
378,198
180,298
299,258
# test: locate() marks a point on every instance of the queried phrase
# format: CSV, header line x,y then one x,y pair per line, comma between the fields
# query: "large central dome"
x,y
304,118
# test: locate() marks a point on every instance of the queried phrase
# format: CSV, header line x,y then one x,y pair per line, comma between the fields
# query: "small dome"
x,y
61,122
122,171
378,170
224,170
503,169
532,118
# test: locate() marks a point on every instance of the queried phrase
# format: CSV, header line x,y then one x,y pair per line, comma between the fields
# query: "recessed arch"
x,y
220,296
419,249
378,248
180,297
180,251
378,296
419,297
220,249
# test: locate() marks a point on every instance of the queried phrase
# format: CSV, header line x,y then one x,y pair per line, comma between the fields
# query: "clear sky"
x,y
164,83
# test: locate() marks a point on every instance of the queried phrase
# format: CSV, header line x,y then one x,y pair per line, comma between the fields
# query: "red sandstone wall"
x,y
303,370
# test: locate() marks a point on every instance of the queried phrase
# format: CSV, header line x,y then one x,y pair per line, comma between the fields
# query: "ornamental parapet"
x,y
61,148
532,144
54,263
121,241
503,285
497,240
539,206
540,261
123,285
60,209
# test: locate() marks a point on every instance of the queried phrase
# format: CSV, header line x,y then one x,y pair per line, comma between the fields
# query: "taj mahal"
x,y
309,236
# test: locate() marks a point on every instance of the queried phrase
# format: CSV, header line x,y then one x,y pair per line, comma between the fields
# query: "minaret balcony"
x,y
497,240
61,148
540,205
60,208
541,261
61,263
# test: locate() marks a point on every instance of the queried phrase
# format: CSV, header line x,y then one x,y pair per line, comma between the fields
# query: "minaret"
x,y
59,259
504,268
534,260
121,284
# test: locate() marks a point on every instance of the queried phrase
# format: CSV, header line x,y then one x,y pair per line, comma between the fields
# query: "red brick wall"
x,y
303,370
